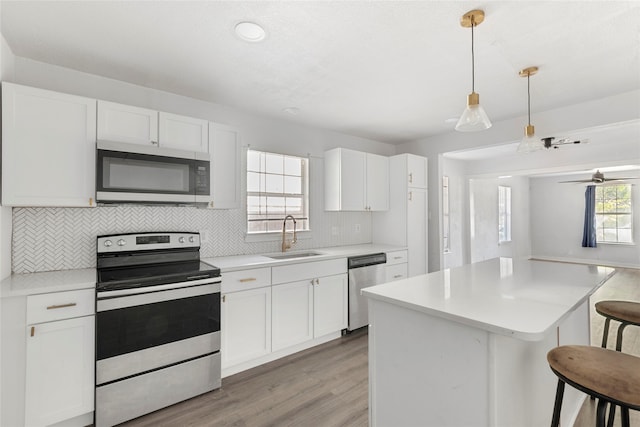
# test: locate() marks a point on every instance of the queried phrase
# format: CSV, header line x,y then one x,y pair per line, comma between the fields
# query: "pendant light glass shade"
x,y
473,117
529,143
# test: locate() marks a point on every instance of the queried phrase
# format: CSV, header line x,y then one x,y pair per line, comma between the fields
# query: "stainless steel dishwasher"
x,y
364,271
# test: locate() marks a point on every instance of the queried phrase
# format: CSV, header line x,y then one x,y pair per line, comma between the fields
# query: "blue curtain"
x,y
589,233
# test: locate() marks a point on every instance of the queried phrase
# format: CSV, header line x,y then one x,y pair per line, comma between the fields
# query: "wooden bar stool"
x,y
611,376
625,312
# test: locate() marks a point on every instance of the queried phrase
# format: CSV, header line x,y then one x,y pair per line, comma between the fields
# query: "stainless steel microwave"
x,y
132,173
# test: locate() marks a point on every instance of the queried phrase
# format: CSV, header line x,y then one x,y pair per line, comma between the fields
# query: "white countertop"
x,y
47,281
241,262
518,298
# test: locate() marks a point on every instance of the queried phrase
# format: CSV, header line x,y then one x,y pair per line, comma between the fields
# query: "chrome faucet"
x,y
287,245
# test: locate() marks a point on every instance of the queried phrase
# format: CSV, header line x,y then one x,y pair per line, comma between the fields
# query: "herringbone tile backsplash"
x,y
47,239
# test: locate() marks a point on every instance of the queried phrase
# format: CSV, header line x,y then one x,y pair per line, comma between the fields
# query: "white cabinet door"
x,y
246,325
224,151
183,133
292,314
48,148
60,370
329,305
125,123
417,171
377,182
417,231
353,183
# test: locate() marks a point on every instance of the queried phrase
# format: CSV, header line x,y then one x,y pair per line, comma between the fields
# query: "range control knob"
x,y
181,240
121,242
108,243
191,239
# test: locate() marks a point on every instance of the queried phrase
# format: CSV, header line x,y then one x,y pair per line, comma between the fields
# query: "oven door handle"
x,y
149,296
165,287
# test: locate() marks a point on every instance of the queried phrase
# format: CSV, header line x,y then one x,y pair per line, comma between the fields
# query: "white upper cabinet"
x,y
355,181
224,152
184,133
377,182
416,171
135,125
48,148
125,123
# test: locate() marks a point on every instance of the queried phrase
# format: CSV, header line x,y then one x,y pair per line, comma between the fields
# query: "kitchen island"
x,y
467,346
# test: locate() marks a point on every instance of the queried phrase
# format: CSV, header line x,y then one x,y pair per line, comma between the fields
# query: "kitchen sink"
x,y
293,255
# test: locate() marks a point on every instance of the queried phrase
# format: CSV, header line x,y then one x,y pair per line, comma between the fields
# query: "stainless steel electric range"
x,y
157,324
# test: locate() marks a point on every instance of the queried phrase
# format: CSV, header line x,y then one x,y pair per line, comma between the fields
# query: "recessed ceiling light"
x,y
294,111
250,32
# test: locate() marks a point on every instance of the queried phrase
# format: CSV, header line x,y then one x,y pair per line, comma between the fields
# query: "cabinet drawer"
x,y
308,270
60,305
246,279
396,257
396,272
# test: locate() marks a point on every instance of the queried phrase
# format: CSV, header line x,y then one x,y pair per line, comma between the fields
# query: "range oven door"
x,y
128,172
164,325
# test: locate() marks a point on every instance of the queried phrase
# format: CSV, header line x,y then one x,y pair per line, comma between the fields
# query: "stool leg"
x,y
619,339
605,335
555,421
612,415
624,413
601,412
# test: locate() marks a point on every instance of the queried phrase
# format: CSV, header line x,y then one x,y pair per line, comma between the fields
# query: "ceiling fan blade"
x,y
577,181
621,179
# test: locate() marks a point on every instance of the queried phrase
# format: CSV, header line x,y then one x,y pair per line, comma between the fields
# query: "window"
x,y
446,225
277,185
504,214
614,214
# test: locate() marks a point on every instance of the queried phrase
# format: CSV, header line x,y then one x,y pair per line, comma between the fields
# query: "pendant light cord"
x,y
529,98
473,60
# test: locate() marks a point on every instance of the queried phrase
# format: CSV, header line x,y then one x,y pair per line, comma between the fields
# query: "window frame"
x,y
600,214
446,215
505,216
303,217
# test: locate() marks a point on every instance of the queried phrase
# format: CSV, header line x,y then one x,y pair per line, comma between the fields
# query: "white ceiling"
x,y
387,70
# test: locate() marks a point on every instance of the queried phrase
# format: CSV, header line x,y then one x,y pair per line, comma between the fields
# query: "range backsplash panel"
x,y
46,239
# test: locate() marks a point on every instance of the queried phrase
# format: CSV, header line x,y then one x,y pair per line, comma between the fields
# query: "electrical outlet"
x,y
204,236
335,231
356,228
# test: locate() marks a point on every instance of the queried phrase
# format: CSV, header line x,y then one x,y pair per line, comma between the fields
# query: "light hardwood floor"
x,y
327,385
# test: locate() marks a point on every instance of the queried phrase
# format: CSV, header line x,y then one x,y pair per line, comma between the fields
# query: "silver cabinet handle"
x,y
397,276
411,178
53,307
410,195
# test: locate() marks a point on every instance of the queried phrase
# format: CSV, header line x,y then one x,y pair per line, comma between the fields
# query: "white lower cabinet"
x,y
308,309
60,370
330,310
292,314
246,325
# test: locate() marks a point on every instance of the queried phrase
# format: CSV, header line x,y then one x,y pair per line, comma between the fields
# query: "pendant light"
x,y
473,118
529,143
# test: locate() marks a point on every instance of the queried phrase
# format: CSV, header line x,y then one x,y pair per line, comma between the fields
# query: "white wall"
x,y
556,226
483,239
562,121
7,62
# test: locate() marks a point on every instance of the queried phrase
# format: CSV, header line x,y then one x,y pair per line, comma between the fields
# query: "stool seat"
x,y
606,374
622,311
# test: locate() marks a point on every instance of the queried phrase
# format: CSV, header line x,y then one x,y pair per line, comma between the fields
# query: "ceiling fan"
x,y
553,142
598,178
